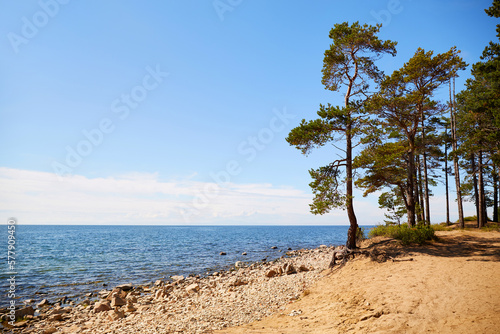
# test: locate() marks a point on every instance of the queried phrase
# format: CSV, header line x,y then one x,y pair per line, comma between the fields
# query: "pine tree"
x,y
399,111
479,116
349,63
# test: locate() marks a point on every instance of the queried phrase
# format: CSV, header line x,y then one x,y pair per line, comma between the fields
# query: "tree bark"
x,y
455,158
353,228
427,218
476,191
482,218
495,195
421,192
353,222
410,199
446,178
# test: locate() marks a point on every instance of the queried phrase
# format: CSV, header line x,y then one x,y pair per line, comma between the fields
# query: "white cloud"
x,y
42,198
138,198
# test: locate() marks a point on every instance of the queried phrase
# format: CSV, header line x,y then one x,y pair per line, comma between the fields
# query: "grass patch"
x,y
491,227
441,227
474,219
407,235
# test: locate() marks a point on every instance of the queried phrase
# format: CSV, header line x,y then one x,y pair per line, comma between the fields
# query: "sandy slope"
x,y
450,286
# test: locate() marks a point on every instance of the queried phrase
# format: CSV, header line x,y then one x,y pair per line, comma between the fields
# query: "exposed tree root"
x,y
342,255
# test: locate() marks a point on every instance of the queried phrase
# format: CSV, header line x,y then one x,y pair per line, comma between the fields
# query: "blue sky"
x,y
175,112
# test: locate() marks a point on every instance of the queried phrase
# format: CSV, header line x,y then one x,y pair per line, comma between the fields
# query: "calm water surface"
x,y
55,261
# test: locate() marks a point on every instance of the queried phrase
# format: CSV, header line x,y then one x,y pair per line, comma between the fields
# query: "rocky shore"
x,y
243,294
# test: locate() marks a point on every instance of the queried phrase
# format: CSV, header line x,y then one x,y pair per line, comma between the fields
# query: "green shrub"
x,y
382,230
407,235
360,235
470,218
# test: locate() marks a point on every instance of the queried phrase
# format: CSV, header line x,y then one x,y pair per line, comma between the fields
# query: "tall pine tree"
x,y
348,65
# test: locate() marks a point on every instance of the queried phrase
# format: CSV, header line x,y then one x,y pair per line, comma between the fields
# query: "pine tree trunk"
x,y
455,159
421,192
482,198
415,188
446,178
410,198
495,195
426,185
353,228
476,191
427,217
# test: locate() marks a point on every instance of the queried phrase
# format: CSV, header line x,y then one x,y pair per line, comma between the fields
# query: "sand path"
x,y
450,286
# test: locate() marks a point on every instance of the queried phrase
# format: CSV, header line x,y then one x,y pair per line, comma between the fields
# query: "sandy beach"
x,y
447,286
450,286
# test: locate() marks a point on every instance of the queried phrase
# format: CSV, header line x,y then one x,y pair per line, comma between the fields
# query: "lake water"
x,y
56,261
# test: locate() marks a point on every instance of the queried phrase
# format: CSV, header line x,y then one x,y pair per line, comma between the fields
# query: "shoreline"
x,y
55,297
298,268
165,252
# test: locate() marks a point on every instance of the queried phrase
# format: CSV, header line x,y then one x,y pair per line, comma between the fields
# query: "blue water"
x,y
55,261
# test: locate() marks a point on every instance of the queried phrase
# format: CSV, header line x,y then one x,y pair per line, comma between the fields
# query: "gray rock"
x,y
238,282
117,301
160,293
23,312
193,288
303,268
131,299
86,301
289,269
130,308
50,330
102,306
125,287
44,302
177,278
58,310
115,315
239,264
116,292
55,317
272,273
103,294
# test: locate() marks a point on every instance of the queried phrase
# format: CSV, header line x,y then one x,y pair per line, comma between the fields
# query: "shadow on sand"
x,y
474,245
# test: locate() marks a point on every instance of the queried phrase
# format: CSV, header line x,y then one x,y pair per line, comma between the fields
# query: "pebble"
x,y
44,302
